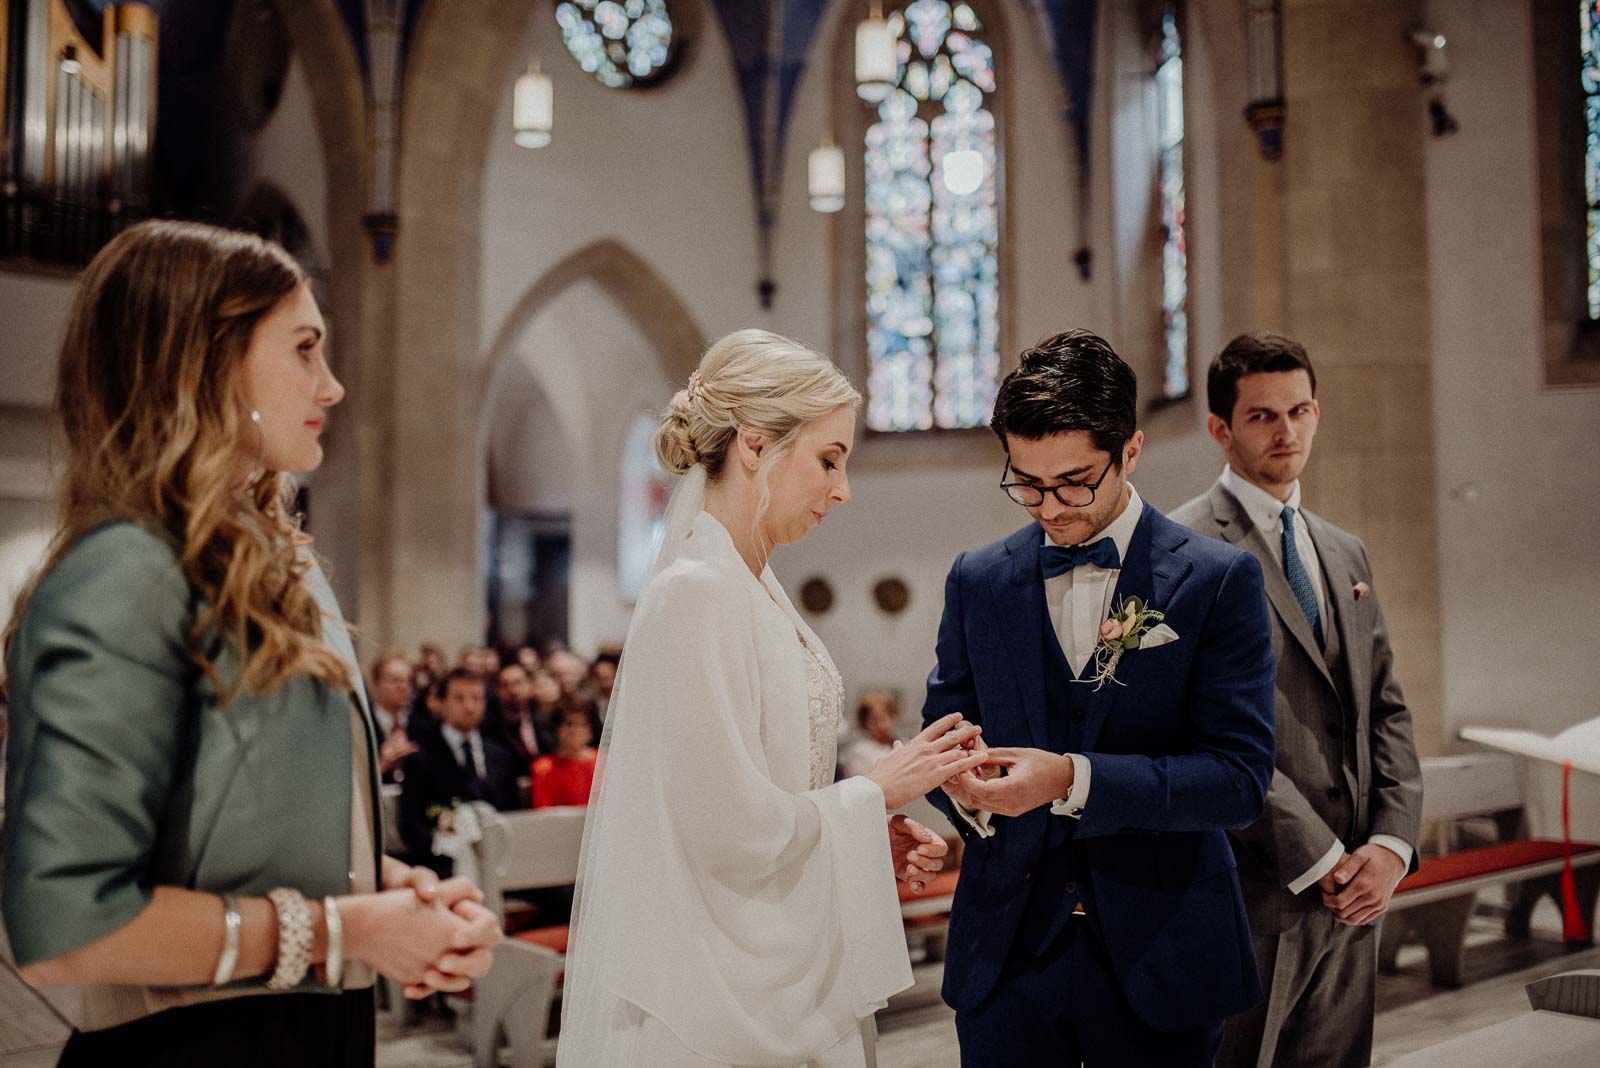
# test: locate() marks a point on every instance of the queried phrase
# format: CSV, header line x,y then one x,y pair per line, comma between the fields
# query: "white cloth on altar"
x,y
725,906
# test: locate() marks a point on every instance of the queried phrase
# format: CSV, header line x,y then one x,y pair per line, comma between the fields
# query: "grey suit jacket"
x,y
1324,789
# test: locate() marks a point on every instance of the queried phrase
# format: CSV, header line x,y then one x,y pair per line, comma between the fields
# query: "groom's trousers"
x,y
1065,1007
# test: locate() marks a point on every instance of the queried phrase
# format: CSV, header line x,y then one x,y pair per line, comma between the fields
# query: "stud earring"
x,y
258,469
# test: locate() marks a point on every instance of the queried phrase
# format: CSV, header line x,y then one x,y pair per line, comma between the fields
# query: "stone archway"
x,y
643,295
595,342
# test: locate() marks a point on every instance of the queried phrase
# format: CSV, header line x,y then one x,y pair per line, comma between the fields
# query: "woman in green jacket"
x,y
192,830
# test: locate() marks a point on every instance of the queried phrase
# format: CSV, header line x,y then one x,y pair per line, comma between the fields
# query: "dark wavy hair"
x,y
1071,381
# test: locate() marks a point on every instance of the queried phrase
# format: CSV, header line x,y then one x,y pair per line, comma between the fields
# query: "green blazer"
x,y
125,772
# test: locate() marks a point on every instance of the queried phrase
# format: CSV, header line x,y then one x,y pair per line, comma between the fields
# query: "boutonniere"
x,y
443,817
1361,591
1133,624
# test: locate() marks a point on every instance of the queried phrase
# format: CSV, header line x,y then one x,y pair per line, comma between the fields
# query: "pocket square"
x,y
1157,635
1361,591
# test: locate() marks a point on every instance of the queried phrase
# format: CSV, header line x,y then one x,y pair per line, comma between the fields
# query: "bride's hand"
x,y
913,768
920,850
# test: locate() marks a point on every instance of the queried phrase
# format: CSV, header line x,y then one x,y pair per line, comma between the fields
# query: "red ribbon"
x,y
1573,927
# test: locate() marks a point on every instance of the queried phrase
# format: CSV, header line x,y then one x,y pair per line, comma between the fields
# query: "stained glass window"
x,y
1589,46
933,227
1174,245
621,42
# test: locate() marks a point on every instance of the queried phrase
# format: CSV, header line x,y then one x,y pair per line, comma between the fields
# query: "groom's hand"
x,y
1033,778
955,787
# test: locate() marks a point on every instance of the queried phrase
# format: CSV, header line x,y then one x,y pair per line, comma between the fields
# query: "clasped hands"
x,y
1358,889
432,935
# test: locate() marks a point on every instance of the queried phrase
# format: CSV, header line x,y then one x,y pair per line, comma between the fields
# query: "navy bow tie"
x,y
1059,559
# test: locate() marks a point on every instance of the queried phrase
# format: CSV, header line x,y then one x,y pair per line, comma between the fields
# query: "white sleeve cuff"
x,y
1320,868
1398,846
977,819
1078,796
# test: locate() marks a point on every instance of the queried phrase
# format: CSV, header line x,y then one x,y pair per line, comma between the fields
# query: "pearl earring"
x,y
258,469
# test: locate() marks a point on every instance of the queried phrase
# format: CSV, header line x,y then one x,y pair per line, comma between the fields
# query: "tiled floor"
x,y
918,1031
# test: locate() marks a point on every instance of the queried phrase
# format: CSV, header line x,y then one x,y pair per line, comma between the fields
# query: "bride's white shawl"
x,y
756,918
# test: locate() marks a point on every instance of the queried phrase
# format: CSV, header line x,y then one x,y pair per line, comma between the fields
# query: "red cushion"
x,y
1487,860
943,885
550,937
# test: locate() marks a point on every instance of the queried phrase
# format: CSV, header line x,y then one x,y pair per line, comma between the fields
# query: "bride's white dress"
x,y
737,907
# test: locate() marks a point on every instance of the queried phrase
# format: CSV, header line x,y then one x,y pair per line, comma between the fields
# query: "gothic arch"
x,y
645,297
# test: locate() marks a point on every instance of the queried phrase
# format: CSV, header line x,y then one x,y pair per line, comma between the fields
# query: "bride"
x,y
735,905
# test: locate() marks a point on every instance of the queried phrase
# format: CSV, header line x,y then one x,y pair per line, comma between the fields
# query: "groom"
x,y
1098,917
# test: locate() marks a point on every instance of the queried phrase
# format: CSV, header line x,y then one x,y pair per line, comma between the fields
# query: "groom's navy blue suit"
x,y
1180,752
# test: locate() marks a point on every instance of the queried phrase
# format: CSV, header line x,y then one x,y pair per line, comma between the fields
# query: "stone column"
x,y
1355,292
455,72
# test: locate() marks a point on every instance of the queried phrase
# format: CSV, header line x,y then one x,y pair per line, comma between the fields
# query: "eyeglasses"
x,y
1071,494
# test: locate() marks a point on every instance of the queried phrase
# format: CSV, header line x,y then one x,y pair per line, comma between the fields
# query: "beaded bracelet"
x,y
294,938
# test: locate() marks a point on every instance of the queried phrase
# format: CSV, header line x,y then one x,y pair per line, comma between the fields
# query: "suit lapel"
x,y
1237,529
1151,573
1340,579
1017,613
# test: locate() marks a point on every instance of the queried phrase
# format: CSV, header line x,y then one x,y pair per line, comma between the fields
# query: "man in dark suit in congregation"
x,y
1344,809
456,764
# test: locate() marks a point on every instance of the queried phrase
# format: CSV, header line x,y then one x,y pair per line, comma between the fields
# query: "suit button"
x,y
1334,728
1333,793
1027,873
1072,888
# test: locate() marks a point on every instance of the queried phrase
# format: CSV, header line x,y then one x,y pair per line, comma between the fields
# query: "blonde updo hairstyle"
x,y
753,380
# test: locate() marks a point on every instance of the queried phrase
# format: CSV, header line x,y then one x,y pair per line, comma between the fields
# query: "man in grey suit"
x,y
1344,809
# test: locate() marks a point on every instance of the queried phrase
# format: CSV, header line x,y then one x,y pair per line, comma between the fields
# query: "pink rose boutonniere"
x,y
1133,624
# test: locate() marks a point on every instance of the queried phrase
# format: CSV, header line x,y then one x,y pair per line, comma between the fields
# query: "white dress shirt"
x,y
387,721
1266,512
454,738
1079,601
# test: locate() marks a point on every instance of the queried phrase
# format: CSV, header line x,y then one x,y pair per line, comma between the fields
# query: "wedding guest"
x,y
460,763
521,730
602,680
432,657
528,657
191,832
391,702
565,776
570,670
546,697
1343,813
876,714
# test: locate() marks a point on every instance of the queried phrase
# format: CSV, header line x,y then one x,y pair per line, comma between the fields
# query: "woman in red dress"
x,y
565,776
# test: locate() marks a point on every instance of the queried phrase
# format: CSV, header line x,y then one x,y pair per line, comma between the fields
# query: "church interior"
x,y
525,222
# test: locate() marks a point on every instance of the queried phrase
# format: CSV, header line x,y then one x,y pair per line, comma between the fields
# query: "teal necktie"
x,y
1295,572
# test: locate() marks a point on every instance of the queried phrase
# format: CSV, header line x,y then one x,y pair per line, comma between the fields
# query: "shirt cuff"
x,y
1072,805
977,819
1320,868
1398,846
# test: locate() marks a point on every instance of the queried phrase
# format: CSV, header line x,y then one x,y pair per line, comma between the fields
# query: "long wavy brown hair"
x,y
155,427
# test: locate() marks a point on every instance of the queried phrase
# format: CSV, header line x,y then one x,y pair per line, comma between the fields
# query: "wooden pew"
x,y
1436,902
523,851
